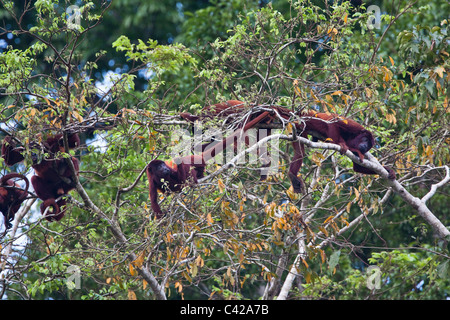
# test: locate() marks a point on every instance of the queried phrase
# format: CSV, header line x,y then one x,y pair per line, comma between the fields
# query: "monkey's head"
x,y
366,141
160,169
361,143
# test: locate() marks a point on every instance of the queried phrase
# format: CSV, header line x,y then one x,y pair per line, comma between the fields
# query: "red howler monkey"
x,y
229,108
53,180
11,196
167,176
348,134
235,106
172,176
11,153
53,177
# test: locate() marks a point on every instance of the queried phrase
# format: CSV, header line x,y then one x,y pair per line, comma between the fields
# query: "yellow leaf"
x,y
169,237
308,277
221,185
440,71
334,31
209,219
50,240
429,151
316,158
289,128
139,260
324,231
133,271
328,219
178,286
356,193
290,193
270,209
323,255
77,116
344,220
305,263
349,205
392,60
200,262
229,272
131,295
345,18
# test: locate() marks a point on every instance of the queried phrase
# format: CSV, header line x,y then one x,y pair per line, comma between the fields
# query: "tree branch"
x,y
371,163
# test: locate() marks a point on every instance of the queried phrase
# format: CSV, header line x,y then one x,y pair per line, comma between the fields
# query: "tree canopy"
x,y
119,73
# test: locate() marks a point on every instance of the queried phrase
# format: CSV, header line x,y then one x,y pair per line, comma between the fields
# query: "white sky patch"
x,y
109,79
147,73
99,142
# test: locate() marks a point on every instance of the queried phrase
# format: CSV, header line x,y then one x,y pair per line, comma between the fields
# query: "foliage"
x,y
412,275
232,236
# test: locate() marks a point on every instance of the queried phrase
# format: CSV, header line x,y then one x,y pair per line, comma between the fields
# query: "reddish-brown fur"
x,y
10,152
11,196
166,177
346,133
53,177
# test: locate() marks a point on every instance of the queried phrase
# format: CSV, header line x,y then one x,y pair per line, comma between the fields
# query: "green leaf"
x,y
444,270
334,259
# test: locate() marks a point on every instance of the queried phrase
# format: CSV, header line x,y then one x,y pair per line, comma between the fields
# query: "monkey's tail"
x,y
56,215
13,175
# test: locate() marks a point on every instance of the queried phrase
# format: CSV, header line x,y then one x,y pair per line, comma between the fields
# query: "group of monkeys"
x,y
53,179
